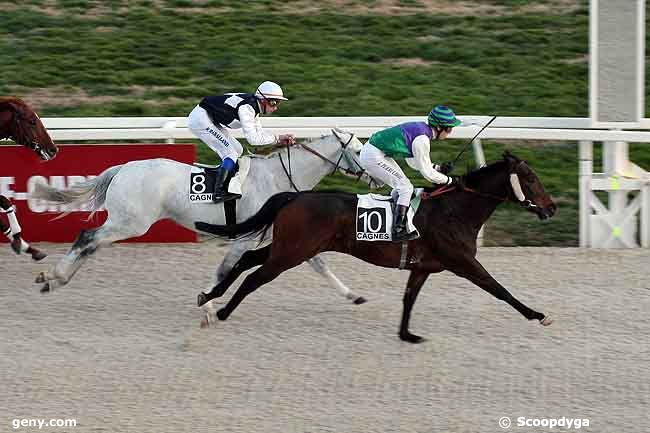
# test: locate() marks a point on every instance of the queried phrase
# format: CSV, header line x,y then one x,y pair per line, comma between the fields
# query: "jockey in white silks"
x,y
412,142
211,119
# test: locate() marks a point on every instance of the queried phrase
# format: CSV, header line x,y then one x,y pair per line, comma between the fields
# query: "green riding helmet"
x,y
441,115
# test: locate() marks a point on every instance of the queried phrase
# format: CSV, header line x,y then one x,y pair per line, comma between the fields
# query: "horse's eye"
x,y
33,122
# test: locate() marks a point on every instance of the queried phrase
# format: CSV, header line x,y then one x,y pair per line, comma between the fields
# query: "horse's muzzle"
x,y
547,212
45,154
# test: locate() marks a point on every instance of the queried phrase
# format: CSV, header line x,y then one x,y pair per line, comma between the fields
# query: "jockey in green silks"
x,y
410,141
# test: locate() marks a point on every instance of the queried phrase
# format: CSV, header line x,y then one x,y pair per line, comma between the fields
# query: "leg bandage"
x,y
13,221
14,228
24,246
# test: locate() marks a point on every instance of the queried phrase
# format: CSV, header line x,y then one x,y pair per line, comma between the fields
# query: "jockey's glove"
x,y
446,167
456,181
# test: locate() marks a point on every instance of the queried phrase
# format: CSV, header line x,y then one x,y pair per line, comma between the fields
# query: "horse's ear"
x,y
8,104
349,138
342,134
509,156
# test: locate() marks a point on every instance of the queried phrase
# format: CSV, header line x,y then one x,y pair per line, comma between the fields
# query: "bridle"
x,y
336,165
32,144
514,183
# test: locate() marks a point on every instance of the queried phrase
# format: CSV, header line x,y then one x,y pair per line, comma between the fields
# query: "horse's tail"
x,y
260,222
91,191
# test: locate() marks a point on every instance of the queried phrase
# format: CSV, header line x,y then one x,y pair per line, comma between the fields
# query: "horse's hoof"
x,y
221,314
205,323
40,278
201,299
45,288
411,338
360,300
16,244
546,321
37,255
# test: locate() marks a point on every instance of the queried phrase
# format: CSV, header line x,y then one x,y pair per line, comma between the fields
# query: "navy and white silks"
x,y
211,119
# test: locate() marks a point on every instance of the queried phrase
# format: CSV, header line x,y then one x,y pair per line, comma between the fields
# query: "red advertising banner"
x,y
21,169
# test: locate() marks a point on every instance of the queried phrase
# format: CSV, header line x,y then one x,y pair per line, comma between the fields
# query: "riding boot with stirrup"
x,y
400,231
221,193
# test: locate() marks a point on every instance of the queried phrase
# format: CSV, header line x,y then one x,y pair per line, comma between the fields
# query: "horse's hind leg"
x,y
88,242
249,260
61,273
319,265
268,272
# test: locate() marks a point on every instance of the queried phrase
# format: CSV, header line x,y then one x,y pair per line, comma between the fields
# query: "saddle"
x,y
210,170
376,216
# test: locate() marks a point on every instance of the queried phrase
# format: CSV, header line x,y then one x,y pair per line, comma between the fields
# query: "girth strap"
x,y
403,255
230,212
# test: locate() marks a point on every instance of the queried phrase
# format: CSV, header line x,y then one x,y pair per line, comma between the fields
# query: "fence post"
x,y
479,156
585,171
645,215
170,124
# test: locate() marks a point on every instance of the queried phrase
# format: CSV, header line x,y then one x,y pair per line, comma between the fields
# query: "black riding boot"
x,y
400,233
220,187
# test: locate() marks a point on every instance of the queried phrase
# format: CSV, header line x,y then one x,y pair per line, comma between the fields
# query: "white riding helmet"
x,y
269,90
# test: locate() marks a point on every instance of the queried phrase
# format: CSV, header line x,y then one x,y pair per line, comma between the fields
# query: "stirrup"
x,y
225,197
403,236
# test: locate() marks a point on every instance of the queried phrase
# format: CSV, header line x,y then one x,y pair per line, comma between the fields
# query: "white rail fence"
x,y
623,222
172,128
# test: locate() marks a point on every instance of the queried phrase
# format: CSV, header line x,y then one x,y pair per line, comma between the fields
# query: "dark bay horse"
x,y
305,224
22,125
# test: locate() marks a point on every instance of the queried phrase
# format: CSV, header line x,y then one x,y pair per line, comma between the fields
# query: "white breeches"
x,y
216,137
386,169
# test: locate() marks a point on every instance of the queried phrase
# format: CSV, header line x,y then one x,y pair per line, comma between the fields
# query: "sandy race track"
x,y
119,349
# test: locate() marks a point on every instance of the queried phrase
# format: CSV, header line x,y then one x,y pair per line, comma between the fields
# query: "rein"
x,y
525,203
336,164
288,172
445,189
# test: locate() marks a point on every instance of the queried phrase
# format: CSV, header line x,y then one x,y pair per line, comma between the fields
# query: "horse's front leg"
x,y
471,269
319,265
13,232
415,282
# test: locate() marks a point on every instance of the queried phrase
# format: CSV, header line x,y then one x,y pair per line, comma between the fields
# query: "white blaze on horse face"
x,y
516,187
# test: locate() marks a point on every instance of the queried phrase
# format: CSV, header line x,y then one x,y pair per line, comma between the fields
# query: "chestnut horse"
x,y
21,124
308,223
